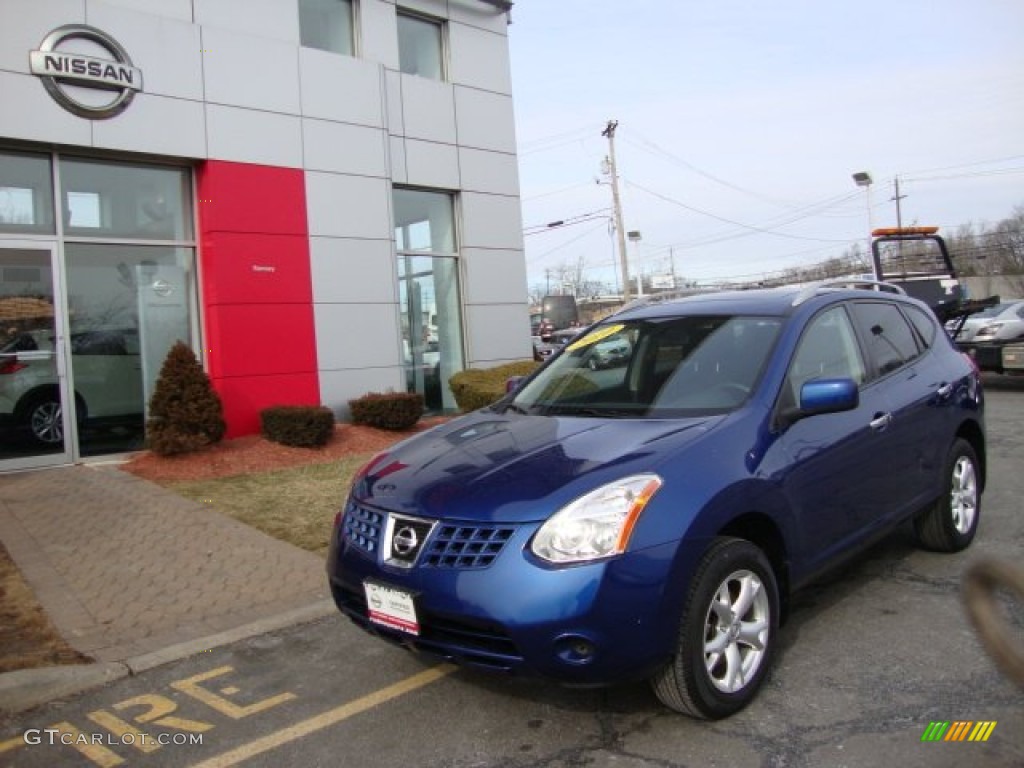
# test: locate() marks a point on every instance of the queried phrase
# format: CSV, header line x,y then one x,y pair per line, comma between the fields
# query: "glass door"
x,y
34,421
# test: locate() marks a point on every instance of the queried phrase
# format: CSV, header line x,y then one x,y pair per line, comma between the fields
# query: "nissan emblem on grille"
x,y
405,541
405,537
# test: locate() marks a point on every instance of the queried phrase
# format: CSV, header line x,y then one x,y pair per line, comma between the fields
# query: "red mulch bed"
x,y
253,453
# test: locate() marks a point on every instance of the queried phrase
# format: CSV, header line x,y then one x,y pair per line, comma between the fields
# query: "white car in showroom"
x,y
106,367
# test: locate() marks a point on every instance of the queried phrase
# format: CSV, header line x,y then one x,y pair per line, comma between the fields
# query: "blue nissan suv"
x,y
648,520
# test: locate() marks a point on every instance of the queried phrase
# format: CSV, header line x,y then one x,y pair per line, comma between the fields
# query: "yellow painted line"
x,y
326,719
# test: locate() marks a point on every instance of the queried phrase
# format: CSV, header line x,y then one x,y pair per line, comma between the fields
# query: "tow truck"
x,y
917,260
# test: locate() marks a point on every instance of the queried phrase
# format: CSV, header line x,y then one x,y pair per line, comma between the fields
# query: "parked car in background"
x,y
106,368
651,520
984,334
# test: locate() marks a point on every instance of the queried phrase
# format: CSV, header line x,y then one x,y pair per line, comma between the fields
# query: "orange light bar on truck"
x,y
897,231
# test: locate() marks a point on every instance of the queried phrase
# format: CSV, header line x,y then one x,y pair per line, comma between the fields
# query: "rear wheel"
x,y
727,636
42,417
949,525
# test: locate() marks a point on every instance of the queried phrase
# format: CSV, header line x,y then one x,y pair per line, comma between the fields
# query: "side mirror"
x,y
512,384
820,396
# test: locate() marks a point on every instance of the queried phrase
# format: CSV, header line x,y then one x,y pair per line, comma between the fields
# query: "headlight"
x,y
596,525
988,330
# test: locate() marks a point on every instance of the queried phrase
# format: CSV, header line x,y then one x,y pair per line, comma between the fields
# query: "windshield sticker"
x,y
599,335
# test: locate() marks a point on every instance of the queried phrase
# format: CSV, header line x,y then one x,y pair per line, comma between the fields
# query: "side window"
x,y
924,324
827,350
889,338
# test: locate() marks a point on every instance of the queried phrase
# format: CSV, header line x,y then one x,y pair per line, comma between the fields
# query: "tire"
x,y
42,419
721,660
950,523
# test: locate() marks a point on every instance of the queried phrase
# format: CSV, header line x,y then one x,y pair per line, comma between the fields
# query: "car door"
x,y
838,463
914,385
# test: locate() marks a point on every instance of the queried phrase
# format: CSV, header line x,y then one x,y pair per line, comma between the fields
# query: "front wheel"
x,y
949,525
727,635
42,417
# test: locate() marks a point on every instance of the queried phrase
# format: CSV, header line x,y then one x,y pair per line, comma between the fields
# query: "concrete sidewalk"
x,y
134,575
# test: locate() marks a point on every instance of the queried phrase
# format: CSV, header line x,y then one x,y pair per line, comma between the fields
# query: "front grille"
x,y
466,546
362,528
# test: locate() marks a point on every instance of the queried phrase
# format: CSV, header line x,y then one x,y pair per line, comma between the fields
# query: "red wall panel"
x,y
259,331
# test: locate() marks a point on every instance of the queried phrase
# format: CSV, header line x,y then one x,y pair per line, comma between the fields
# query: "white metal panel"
x,y
252,136
492,172
494,276
342,88
24,24
36,116
347,271
399,175
436,8
485,120
393,88
491,221
348,206
479,59
168,51
169,9
158,125
378,33
478,14
245,71
429,164
344,148
338,387
428,109
356,336
498,333
278,19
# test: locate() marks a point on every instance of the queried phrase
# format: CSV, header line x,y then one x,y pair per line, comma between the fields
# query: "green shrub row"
x,y
479,387
304,426
387,410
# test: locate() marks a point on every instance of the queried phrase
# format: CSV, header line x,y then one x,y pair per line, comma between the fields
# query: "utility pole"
x,y
609,131
897,197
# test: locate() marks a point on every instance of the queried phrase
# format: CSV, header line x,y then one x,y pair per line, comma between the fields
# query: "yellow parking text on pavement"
x,y
326,719
192,688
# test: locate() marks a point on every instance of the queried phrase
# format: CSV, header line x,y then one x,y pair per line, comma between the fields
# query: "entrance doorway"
x,y
33,368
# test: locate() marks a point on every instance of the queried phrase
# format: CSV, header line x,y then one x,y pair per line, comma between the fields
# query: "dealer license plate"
x,y
391,607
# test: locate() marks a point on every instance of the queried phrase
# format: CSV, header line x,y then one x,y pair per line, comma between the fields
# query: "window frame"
x,y
442,40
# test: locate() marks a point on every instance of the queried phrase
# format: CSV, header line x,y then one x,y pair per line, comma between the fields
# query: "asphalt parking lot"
x,y
870,658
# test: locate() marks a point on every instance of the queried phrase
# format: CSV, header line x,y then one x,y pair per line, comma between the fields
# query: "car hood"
x,y
512,468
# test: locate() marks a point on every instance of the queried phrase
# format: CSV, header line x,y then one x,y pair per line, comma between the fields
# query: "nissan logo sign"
x,y
405,540
60,68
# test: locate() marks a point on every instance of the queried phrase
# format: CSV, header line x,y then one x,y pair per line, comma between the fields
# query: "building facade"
x,y
319,196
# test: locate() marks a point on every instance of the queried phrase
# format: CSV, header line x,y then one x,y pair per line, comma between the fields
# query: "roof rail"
x,y
856,283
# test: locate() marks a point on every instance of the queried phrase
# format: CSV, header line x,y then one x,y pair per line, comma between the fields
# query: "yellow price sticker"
x,y
592,338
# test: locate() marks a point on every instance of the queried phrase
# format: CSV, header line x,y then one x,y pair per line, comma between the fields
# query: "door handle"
x,y
944,391
880,422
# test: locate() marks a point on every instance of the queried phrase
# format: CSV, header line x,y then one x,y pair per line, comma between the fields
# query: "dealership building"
x,y
320,196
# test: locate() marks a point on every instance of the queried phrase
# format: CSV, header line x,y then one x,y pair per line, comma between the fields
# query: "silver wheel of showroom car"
x,y
727,637
44,420
950,524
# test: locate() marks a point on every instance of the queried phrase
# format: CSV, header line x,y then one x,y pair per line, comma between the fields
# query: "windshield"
x,y
663,367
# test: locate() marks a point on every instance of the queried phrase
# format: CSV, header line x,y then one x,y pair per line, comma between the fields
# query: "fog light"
x,y
575,649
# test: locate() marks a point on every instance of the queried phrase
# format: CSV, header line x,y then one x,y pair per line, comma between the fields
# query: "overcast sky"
x,y
740,123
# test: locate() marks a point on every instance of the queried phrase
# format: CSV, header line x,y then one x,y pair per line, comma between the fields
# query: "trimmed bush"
x,y
479,387
303,426
185,413
387,410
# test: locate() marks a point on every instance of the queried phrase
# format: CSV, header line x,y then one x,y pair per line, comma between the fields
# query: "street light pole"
x,y
609,132
863,179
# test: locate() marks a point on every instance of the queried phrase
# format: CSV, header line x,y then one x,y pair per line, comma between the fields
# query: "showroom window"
x,y
26,193
421,46
429,298
327,25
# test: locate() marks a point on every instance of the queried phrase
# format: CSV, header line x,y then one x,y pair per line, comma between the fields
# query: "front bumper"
x,y
593,624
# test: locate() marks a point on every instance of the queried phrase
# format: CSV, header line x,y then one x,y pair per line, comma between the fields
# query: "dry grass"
x,y
295,505
27,638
